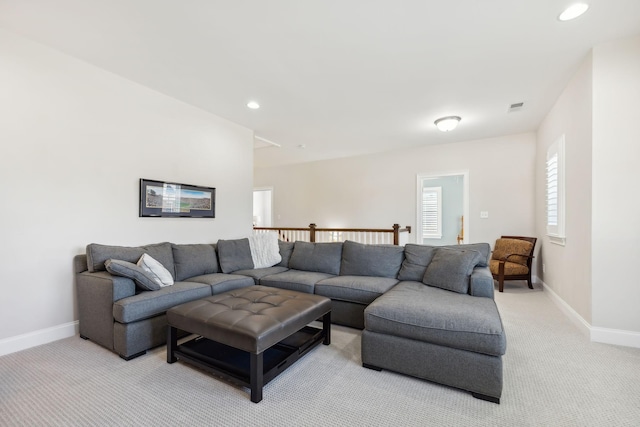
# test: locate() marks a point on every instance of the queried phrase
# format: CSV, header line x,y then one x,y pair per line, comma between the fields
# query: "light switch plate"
x,y
484,214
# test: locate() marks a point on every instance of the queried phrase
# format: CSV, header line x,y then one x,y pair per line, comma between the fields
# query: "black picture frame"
x,y
172,199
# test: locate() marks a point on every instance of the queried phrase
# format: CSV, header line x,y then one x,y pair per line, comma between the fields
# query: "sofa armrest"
x,y
119,287
481,283
96,294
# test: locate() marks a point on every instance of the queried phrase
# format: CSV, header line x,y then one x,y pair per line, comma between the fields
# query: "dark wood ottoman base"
x,y
249,335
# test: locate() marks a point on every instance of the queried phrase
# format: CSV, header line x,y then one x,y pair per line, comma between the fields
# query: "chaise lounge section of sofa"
x,y
426,311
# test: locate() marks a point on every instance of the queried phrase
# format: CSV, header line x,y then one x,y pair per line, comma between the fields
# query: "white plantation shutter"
x,y
552,190
555,192
431,213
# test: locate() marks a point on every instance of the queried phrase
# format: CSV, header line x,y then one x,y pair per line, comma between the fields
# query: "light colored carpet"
x,y
553,377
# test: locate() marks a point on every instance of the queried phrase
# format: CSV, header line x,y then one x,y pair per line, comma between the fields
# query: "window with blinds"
x,y
431,213
555,192
552,190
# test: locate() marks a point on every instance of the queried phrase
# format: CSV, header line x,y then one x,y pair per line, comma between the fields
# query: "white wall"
x,y
75,142
616,177
593,274
568,268
379,190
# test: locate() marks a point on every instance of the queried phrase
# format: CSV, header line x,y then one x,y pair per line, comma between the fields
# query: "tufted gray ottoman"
x,y
249,335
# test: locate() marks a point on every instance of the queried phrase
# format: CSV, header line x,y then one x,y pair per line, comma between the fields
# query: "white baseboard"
x,y
595,334
573,315
615,336
35,338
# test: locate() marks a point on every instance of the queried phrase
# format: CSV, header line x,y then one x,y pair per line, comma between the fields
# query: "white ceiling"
x,y
341,77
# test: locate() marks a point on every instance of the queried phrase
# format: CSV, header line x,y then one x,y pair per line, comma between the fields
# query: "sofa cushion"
x,y
265,251
318,257
221,282
97,254
422,313
194,260
258,273
234,255
450,269
483,248
286,249
155,269
128,269
371,260
150,304
417,257
357,289
295,280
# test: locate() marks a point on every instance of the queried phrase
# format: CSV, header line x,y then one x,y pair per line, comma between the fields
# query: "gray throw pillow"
x,y
130,270
371,260
234,255
450,269
318,257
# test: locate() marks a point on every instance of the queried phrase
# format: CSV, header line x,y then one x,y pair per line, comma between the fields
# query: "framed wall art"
x,y
171,199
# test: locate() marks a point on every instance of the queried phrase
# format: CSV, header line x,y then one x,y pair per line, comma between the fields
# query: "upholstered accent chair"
x,y
512,259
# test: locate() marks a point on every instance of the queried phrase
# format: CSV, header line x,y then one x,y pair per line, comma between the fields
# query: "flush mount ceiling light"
x,y
253,105
573,11
445,124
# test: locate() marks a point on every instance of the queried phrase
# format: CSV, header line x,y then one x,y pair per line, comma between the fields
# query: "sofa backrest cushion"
x,y
286,249
451,269
194,260
234,255
97,255
483,248
416,259
319,257
371,260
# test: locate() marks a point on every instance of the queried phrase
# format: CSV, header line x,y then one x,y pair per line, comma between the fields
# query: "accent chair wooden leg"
x,y
501,276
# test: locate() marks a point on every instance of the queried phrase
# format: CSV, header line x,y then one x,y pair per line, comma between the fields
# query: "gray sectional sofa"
x,y
426,311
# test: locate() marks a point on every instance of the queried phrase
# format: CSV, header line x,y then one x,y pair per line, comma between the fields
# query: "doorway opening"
x,y
443,208
263,207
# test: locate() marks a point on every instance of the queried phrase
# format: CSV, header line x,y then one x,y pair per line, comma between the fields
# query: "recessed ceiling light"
x,y
573,11
253,105
445,124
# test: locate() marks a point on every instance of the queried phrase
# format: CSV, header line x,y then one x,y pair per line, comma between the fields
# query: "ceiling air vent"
x,y
515,107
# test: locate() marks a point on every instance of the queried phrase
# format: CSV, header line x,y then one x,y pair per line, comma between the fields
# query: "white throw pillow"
x,y
265,251
160,274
